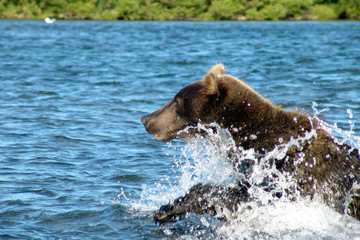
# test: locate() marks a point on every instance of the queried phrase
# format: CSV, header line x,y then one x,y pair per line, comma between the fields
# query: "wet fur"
x,y
328,171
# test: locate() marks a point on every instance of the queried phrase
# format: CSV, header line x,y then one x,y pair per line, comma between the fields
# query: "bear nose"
x,y
145,119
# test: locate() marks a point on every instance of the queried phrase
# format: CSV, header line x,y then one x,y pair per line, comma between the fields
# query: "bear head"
x,y
193,104
227,101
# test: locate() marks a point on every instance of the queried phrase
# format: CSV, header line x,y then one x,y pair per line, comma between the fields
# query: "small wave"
x,y
127,178
17,202
305,60
108,83
44,192
63,138
46,92
341,70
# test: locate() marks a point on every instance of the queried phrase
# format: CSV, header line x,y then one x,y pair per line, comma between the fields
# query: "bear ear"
x,y
210,84
218,69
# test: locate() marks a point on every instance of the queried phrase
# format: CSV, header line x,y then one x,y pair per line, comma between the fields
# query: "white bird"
x,y
49,20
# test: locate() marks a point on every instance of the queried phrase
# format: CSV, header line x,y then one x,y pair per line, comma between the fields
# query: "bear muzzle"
x,y
145,119
163,127
154,127
146,122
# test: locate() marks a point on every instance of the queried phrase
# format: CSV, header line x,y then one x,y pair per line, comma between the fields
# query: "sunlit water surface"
x,y
76,162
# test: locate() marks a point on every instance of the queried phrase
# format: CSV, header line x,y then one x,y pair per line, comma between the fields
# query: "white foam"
x,y
296,220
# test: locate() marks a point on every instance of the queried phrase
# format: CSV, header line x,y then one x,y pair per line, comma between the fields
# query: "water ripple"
x,y
75,158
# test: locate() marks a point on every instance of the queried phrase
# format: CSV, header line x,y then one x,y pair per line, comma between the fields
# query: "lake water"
x,y
76,162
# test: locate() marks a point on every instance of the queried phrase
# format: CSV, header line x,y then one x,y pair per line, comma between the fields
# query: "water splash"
x,y
212,158
344,135
296,220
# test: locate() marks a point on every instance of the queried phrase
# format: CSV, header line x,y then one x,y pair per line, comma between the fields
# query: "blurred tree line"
x,y
181,9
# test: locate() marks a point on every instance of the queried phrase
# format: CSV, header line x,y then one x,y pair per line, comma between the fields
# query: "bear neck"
x,y
253,121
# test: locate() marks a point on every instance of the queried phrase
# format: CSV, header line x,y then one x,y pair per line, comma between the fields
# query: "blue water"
x,y
75,160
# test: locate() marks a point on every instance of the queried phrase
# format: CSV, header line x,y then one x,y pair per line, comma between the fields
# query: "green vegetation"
x,y
181,9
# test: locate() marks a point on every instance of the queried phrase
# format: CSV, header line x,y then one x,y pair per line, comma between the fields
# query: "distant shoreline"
x,y
181,20
174,21
180,10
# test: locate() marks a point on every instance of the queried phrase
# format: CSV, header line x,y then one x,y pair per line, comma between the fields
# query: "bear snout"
x,y
158,126
152,125
145,119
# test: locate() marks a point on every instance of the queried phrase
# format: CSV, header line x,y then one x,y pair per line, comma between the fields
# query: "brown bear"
x,y
328,169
